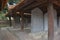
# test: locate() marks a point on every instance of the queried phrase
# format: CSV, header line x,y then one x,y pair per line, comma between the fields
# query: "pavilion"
x,y
44,13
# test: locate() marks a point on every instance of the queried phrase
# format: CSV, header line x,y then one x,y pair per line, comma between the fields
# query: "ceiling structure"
x,y
3,4
27,5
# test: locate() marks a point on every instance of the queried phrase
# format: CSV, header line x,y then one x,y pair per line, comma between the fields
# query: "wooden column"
x,y
10,21
58,21
22,21
50,22
0,5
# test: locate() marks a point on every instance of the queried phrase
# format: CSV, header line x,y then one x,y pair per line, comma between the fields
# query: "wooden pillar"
x,y
10,21
22,21
58,21
0,5
50,22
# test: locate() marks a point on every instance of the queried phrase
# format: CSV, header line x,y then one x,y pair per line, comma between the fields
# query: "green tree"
x,y
13,1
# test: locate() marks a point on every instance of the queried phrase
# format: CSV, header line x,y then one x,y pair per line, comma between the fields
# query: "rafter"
x,y
36,4
4,2
57,2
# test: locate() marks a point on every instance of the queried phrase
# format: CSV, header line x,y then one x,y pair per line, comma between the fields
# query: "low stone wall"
x,y
4,23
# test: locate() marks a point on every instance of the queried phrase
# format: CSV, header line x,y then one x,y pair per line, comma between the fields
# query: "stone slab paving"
x,y
35,36
29,36
22,35
6,35
57,34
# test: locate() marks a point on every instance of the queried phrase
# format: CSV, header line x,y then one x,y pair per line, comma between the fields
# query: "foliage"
x,y
13,1
2,16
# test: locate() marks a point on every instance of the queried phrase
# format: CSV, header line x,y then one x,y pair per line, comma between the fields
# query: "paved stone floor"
x,y
57,34
26,35
6,34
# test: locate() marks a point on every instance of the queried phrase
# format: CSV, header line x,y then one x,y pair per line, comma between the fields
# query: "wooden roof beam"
x,y
22,4
35,5
27,3
56,2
